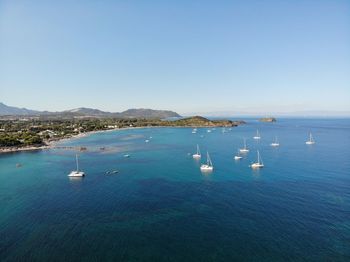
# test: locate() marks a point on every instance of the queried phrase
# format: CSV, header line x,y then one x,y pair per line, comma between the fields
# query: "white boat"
x,y
257,136
76,173
275,143
112,172
194,130
238,156
126,155
244,149
258,164
209,131
198,154
208,166
311,140
146,141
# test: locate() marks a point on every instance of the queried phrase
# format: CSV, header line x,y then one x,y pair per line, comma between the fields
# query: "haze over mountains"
x,y
83,111
253,113
150,113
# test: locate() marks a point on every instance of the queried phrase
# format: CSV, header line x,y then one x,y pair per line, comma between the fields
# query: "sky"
x,y
187,56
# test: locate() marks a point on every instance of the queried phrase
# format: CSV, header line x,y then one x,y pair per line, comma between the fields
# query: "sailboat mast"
x,y
259,159
76,159
208,160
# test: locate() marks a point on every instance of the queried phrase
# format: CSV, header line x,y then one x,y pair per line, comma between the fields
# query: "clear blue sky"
x,y
187,56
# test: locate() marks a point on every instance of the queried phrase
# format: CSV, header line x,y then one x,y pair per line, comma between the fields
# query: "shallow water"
x,y
160,207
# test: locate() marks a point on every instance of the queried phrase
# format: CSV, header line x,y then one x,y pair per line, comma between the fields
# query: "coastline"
x,y
53,143
20,149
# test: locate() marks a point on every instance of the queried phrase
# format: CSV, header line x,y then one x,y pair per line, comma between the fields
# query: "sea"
x,y
159,206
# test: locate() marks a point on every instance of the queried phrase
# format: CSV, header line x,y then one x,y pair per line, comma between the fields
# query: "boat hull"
x,y
257,165
76,174
206,168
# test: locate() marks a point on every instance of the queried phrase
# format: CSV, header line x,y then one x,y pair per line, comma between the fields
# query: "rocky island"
x,y
268,119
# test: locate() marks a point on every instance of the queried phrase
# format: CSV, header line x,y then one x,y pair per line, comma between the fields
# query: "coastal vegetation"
x,y
33,131
20,139
198,121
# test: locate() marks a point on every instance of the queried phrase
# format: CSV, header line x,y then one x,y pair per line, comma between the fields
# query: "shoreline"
x,y
53,143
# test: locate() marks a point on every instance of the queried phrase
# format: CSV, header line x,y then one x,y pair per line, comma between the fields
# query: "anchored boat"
x,y
259,163
76,173
208,166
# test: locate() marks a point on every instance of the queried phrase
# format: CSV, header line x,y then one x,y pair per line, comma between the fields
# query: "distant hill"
x,y
11,110
88,112
199,121
148,113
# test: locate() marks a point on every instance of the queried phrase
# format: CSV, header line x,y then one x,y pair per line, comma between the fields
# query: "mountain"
x,y
11,110
130,113
148,113
88,112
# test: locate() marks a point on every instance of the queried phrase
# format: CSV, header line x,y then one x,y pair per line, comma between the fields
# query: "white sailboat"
x,y
257,136
208,166
76,173
244,149
275,143
258,164
311,140
238,156
198,154
194,130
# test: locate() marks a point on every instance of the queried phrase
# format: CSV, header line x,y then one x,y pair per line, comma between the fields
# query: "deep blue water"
x,y
160,207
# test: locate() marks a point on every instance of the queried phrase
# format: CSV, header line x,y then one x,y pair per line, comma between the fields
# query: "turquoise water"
x,y
160,207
